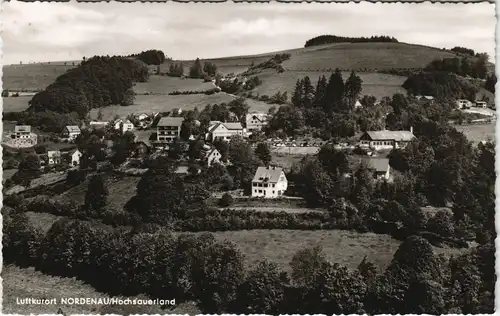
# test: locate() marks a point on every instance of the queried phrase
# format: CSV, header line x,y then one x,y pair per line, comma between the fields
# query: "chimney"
x,y
411,129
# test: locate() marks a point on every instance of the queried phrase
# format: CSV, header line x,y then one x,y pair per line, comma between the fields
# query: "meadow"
x,y
33,77
15,104
376,84
478,132
344,247
165,85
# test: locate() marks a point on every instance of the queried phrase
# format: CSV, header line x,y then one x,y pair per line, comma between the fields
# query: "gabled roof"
x,y
233,126
170,121
377,164
267,174
53,153
74,151
22,129
73,129
405,136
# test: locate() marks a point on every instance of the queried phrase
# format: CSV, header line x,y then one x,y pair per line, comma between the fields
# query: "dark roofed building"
x,y
269,182
380,140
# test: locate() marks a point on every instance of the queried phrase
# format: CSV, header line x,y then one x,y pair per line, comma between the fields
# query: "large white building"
x,y
269,182
380,140
168,129
224,131
22,131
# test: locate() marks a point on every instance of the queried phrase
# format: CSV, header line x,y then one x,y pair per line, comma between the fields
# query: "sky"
x,y
48,31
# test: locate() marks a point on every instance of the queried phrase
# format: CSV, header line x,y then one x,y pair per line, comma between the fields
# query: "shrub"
x,y
226,200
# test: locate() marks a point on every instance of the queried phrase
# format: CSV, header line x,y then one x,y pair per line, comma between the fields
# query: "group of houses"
x,y
465,104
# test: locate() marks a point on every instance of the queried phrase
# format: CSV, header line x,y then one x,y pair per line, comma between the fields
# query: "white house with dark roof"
x,y
380,140
256,121
71,132
379,166
22,131
224,131
124,125
168,129
269,182
211,155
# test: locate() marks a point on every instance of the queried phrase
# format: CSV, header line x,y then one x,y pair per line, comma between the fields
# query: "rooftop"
x,y
267,174
377,164
73,129
391,135
170,121
22,129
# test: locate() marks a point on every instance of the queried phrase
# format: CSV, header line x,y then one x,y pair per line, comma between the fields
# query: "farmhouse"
x,y
380,140
71,132
462,103
168,129
54,157
358,104
255,121
75,155
269,182
124,126
379,167
224,131
22,131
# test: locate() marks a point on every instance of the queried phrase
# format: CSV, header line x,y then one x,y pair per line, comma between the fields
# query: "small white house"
x,y
379,167
358,105
124,126
256,121
71,132
481,104
269,182
76,155
53,157
463,104
212,156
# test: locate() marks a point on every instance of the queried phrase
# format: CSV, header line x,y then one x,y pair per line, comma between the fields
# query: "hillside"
x,y
370,60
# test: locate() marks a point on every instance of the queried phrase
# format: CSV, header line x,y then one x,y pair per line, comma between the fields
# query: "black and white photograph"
x,y
248,158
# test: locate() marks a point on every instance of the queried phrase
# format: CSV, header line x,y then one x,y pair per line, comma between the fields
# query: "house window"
x,y
255,191
273,192
274,186
260,191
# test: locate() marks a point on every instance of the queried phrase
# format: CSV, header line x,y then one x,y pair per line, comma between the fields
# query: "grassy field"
x,y
28,283
344,247
119,192
165,85
15,104
478,132
376,84
32,76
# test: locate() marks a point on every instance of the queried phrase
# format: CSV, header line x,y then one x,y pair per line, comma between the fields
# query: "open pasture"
x,y
344,247
478,132
166,84
15,104
33,77
376,84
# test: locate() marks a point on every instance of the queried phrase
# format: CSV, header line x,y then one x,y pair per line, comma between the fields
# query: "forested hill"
x,y
332,39
96,82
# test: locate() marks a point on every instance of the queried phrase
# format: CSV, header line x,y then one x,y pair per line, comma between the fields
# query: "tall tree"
x,y
96,197
263,152
334,94
353,88
298,94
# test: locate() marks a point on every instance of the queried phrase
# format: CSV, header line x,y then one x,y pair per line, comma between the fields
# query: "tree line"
x,y
215,275
440,85
472,67
151,57
331,39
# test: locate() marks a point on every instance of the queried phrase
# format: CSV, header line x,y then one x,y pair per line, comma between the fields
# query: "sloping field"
x,y
344,247
119,192
162,103
28,283
15,104
33,76
166,84
478,132
376,84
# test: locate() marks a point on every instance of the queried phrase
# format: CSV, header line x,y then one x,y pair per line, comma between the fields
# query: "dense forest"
x,y
475,68
331,39
441,85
